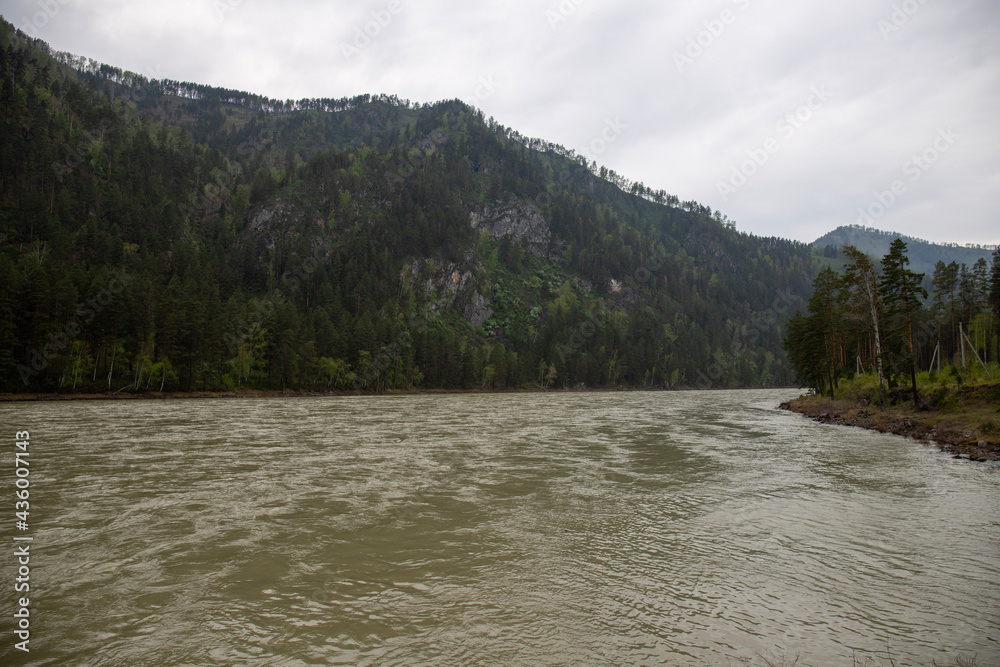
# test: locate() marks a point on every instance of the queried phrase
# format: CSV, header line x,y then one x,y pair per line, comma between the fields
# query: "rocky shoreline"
x,y
948,432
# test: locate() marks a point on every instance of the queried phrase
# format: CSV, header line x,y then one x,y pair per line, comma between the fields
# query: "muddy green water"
x,y
701,528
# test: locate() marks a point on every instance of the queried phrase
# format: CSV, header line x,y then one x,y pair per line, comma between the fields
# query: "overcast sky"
x,y
792,118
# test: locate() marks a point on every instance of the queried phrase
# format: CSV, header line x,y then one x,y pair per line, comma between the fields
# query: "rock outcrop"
x,y
448,286
517,219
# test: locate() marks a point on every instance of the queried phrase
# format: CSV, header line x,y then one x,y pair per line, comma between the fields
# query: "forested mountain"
x,y
924,255
165,235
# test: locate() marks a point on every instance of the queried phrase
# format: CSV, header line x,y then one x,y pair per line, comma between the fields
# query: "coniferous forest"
x,y
878,318
167,236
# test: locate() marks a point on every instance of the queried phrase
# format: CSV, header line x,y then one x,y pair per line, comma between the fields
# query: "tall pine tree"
x,y
900,290
995,294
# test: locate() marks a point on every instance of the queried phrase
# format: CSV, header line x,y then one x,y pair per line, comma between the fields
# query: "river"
x,y
631,528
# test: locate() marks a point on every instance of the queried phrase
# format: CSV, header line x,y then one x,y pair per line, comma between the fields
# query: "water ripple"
x,y
620,528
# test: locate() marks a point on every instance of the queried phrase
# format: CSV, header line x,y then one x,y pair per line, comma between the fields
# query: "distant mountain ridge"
x,y
169,236
923,254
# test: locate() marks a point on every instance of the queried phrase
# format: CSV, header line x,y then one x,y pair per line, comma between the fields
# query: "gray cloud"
x,y
897,73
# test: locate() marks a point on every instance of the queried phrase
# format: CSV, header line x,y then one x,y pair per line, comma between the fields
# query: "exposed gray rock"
x,y
264,224
478,310
625,294
518,219
448,286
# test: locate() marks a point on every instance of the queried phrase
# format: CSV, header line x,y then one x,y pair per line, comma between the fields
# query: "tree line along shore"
x,y
880,352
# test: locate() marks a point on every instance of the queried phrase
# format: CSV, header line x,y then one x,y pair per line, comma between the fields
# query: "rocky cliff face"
x,y
517,219
279,219
448,286
265,223
453,285
478,310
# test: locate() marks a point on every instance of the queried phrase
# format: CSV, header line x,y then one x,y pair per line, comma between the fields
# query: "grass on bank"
x,y
969,398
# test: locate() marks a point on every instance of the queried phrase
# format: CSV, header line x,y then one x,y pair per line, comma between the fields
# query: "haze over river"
x,y
696,528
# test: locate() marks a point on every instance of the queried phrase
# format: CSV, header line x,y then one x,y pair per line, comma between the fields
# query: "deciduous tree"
x,y
861,282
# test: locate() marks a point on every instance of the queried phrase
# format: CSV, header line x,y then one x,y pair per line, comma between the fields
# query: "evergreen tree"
x,y
901,290
940,291
995,298
944,282
265,244
804,342
822,306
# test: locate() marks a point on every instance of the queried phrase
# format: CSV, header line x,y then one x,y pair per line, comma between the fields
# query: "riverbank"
x,y
963,420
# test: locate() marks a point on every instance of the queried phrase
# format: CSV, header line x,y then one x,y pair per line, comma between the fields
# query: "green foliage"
x,y
863,322
806,352
182,237
939,397
901,292
923,254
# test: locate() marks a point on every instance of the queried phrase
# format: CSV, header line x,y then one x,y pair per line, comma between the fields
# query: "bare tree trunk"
x,y
112,371
871,288
878,355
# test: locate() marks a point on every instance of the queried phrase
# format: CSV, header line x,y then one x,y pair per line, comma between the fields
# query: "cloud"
x,y
898,71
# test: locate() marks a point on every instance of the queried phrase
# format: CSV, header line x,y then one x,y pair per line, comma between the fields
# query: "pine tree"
x,y
944,281
940,290
900,290
995,295
822,306
804,343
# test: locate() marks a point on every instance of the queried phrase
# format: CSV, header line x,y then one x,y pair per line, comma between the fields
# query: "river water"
x,y
701,528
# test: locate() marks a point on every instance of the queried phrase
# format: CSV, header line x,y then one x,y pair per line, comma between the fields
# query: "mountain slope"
x,y
923,254
167,235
